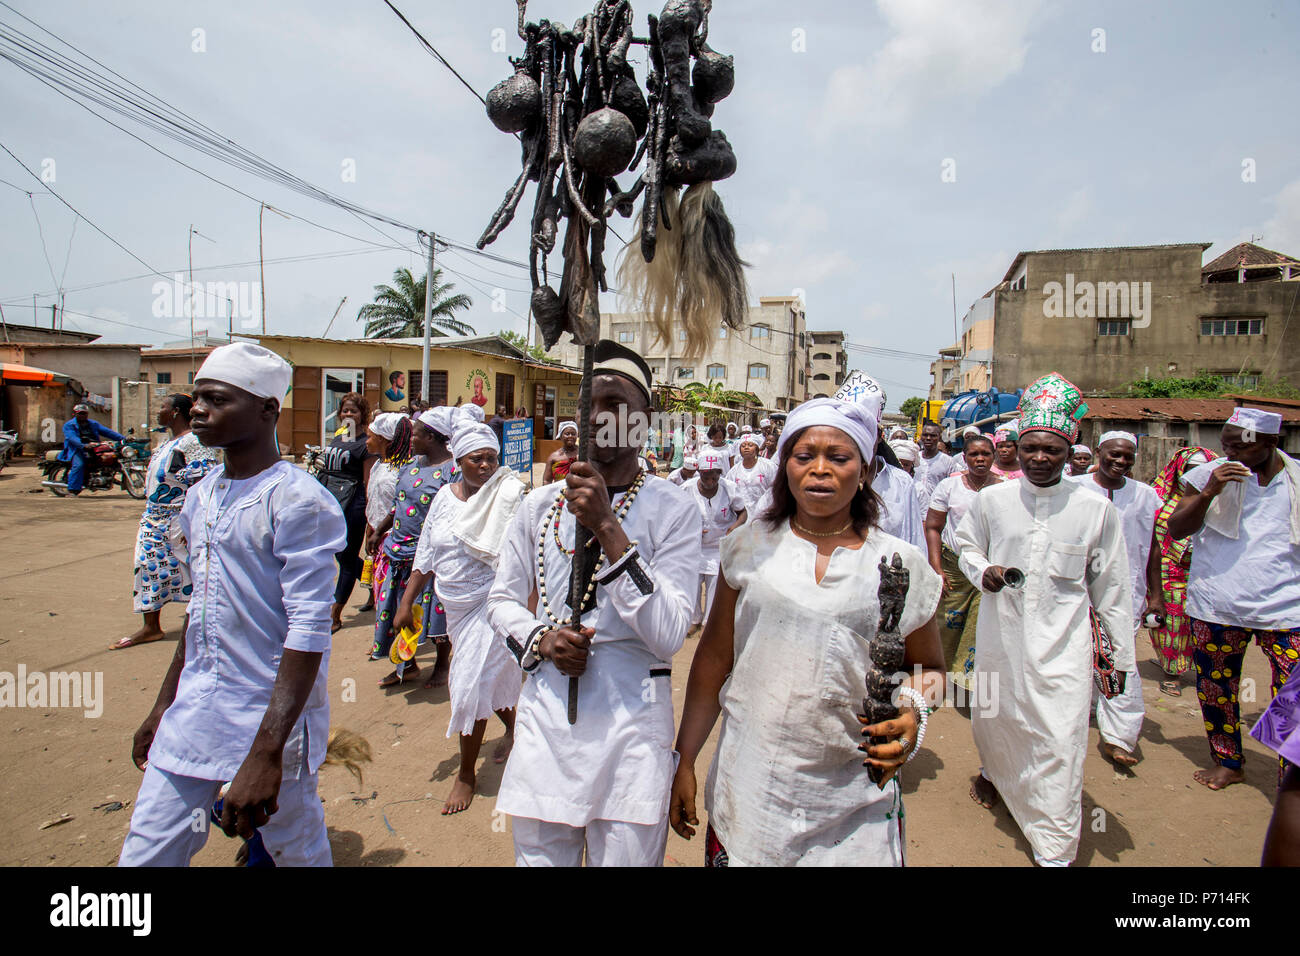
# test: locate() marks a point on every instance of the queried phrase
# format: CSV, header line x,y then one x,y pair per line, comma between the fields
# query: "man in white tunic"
x,y
245,699
602,781
1119,719
935,465
722,508
1035,640
1244,583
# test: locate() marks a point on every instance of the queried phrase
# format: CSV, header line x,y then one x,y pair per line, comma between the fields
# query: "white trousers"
x,y
1120,719
608,843
172,817
709,582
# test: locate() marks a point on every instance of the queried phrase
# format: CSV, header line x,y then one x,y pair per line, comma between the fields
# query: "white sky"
x,y
840,145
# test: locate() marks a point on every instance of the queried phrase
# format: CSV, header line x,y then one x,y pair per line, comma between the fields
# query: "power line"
x,y
432,51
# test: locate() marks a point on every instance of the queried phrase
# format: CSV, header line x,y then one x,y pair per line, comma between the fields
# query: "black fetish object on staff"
x,y
579,121
888,648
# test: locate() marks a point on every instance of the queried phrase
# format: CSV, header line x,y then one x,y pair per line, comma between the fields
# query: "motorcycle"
x,y
107,464
8,441
314,460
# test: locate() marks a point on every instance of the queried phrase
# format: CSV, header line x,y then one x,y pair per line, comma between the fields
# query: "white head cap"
x,y
710,460
1112,436
385,424
472,411
470,436
1257,420
441,418
691,462
1082,449
905,450
559,432
855,419
255,369
765,423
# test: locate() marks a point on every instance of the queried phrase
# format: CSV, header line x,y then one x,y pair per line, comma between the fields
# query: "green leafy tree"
x,y
398,310
1203,385
533,351
911,407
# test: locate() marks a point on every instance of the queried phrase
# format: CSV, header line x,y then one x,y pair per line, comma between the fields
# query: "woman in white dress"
x,y
160,576
458,546
784,656
752,475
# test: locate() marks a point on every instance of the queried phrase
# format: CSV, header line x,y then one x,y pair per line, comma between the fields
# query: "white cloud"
x,y
937,50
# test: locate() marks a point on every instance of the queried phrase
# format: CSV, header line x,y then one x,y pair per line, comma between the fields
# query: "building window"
x,y
759,332
164,378
758,371
1241,380
822,357
437,385
821,377
686,371
1232,326
801,376
681,335
627,336
191,378
1113,327
717,371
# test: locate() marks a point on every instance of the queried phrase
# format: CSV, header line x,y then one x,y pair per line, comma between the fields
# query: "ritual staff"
x,y
722,509
601,782
1119,719
417,484
690,468
1244,584
160,576
935,465
1080,460
458,549
1172,638
245,699
1006,455
1034,638
752,475
390,443
557,464
783,661
960,605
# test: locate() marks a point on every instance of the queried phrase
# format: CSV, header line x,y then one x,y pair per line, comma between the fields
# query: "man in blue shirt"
x,y
78,432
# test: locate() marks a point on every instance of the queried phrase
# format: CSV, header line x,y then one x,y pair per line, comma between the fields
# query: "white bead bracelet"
x,y
917,700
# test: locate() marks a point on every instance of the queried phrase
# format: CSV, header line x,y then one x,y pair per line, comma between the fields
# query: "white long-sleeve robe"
x,y
901,514
1036,642
616,762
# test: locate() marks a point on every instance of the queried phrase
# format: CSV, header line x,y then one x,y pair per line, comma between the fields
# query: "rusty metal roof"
x,y
1181,409
1246,255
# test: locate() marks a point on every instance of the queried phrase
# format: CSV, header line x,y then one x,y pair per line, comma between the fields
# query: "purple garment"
x,y
1279,726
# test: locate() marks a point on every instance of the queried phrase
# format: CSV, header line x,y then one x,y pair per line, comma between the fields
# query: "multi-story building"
x,y
945,374
829,363
769,357
1109,316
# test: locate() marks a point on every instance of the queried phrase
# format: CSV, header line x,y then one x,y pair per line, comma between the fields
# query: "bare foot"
x,y
1219,777
143,636
502,750
1118,755
983,792
461,796
441,667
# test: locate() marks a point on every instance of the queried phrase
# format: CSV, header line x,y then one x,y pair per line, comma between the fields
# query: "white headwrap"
x,y
748,438
471,436
1079,449
441,418
765,423
559,432
255,369
905,449
385,424
731,425
746,429
855,420
691,462
897,431
473,411
711,461
1111,436
1257,420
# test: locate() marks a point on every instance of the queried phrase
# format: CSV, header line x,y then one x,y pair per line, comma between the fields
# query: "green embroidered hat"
x,y
1052,404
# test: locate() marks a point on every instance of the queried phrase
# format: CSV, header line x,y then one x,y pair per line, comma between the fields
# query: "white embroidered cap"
x,y
1084,449
711,461
1112,436
255,369
1256,419
691,462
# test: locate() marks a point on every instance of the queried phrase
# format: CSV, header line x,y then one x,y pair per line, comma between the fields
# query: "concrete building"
x,y
14,332
174,363
486,370
770,356
1106,317
829,363
945,374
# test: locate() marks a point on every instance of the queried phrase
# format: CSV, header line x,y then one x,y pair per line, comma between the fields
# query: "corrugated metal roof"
x,y
1245,255
1174,409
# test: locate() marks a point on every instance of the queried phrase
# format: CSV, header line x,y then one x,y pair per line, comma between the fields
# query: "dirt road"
x,y
65,594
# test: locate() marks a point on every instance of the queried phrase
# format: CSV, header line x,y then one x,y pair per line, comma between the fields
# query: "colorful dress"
x,y
1173,640
160,576
416,487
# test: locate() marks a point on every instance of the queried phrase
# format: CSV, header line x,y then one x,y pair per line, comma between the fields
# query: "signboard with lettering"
x,y
517,446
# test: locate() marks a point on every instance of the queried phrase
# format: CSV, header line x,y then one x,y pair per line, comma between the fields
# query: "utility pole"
x,y
230,321
428,320
335,316
261,266
189,242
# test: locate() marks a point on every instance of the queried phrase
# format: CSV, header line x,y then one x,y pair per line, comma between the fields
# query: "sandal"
x,y
392,680
126,642
1173,687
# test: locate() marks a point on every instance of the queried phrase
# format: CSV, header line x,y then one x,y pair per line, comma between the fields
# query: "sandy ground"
x,y
65,594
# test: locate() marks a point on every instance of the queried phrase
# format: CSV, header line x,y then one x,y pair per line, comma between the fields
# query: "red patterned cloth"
x,y
1173,641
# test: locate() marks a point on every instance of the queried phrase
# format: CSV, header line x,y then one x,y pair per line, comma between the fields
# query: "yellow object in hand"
x,y
408,638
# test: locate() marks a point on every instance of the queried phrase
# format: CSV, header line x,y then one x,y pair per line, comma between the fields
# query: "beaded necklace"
x,y
553,519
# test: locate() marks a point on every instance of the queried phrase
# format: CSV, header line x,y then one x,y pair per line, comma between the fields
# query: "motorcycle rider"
x,y
78,432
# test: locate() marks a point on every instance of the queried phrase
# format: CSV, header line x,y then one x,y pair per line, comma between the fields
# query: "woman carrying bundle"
x,y
457,553
784,656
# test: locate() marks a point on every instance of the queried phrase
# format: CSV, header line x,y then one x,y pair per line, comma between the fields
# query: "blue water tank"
x,y
968,407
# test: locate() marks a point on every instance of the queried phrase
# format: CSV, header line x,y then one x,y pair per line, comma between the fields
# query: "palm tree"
x,y
398,309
